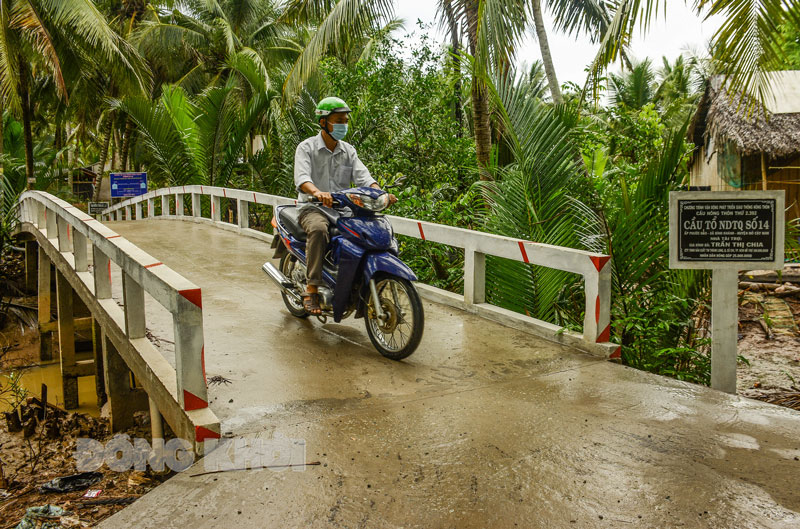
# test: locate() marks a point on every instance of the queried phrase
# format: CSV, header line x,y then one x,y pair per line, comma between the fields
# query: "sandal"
x,y
311,303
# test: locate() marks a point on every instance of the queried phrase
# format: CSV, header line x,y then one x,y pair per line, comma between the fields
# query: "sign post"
x,y
124,185
726,232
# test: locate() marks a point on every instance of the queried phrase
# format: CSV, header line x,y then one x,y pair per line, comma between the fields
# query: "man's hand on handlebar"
x,y
392,199
324,197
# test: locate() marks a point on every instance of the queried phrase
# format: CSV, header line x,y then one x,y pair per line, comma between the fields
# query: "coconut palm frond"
x,y
168,150
346,21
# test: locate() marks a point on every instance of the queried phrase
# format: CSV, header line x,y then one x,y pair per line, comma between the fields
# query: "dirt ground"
x,y
774,363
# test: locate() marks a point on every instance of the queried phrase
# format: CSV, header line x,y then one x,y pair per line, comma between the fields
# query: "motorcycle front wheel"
x,y
399,333
289,266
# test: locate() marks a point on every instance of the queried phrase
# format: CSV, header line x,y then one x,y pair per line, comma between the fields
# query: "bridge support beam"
x,y
31,266
123,399
66,341
45,299
99,371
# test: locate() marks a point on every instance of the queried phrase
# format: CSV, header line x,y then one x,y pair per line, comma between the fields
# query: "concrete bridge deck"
x,y
484,426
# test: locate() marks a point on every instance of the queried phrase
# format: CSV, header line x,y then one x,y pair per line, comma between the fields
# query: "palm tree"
x,y
745,49
633,89
63,38
196,140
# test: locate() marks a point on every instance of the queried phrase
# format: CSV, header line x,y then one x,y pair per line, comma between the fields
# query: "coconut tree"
x,y
196,140
62,39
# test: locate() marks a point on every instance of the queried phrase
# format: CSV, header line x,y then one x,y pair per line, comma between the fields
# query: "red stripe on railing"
x,y
524,253
194,295
421,233
193,402
152,265
202,433
605,336
597,310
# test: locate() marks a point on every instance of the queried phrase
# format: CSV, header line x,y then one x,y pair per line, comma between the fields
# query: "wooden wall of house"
x,y
702,173
782,173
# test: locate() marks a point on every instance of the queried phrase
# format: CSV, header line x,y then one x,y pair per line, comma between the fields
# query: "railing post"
x,y
128,212
151,207
179,204
41,216
197,211
189,351
133,302
215,213
597,315
64,235
474,277
118,214
52,224
165,205
243,213
102,274
80,251
139,210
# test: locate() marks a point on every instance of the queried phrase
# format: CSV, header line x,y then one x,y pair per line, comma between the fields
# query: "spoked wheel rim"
x,y
396,330
290,267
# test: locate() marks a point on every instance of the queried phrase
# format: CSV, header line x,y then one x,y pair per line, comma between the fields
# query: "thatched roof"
x,y
776,135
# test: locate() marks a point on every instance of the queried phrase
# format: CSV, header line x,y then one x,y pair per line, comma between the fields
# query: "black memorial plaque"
x,y
726,230
95,208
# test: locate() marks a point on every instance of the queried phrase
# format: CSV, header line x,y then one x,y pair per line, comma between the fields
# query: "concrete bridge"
x,y
497,420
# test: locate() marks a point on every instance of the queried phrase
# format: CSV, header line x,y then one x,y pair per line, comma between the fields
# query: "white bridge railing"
x,y
181,393
477,245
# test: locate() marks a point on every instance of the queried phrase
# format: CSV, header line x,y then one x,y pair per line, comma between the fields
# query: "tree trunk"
x,y
480,105
25,100
455,44
103,157
116,147
547,59
126,142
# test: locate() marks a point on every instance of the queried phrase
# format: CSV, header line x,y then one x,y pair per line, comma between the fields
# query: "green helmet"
x,y
329,105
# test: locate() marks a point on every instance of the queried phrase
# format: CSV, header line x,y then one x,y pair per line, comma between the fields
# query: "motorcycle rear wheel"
x,y
396,337
288,264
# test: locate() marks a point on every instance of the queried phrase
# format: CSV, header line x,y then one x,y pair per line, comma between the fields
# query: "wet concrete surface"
x,y
483,426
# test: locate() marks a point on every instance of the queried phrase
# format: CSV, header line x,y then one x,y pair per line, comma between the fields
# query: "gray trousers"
x,y
315,224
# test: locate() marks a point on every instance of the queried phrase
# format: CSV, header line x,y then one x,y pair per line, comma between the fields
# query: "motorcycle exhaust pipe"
x,y
280,280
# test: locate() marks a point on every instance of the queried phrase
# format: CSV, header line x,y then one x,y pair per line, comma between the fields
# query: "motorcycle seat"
x,y
290,217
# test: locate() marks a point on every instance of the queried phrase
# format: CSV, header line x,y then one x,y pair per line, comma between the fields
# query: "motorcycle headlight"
x,y
367,202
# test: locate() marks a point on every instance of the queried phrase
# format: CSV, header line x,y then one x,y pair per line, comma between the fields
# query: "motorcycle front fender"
x,y
386,263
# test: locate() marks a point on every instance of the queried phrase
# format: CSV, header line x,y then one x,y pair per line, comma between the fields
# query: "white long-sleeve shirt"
x,y
329,171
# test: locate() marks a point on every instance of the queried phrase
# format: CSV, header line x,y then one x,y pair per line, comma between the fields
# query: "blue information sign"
x,y
128,184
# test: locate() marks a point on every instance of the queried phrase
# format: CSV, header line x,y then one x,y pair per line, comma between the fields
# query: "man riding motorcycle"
x,y
324,164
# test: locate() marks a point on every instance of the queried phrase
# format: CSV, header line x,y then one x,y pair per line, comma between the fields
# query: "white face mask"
x,y
339,131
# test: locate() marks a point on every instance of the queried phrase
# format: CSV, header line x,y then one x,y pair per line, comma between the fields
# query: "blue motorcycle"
x,y
362,270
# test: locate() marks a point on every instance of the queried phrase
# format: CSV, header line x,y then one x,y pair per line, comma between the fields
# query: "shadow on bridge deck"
x,y
482,426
